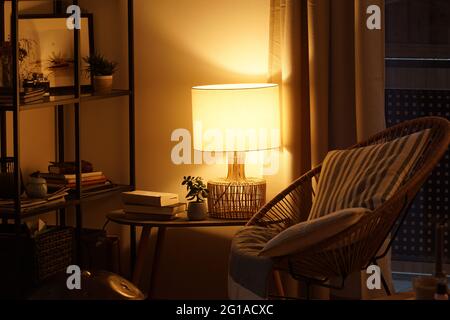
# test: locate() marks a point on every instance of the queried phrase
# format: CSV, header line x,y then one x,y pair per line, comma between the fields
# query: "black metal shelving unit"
x,y
77,98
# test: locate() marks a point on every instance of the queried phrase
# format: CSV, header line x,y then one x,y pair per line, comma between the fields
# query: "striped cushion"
x,y
366,177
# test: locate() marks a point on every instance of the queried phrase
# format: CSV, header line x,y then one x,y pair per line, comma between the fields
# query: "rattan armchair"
x,y
359,246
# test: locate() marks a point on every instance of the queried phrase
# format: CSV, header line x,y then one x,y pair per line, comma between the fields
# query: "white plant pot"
x,y
197,211
103,84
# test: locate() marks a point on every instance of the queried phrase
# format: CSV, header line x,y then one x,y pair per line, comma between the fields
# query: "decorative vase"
x,y
103,84
37,188
197,211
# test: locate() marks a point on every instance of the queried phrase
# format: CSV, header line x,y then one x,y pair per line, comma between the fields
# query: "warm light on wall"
x,y
220,34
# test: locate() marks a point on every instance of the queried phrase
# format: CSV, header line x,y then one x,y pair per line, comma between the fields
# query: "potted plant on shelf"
x,y
197,193
101,71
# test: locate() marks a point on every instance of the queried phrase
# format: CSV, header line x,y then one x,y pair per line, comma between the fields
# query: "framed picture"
x,y
46,49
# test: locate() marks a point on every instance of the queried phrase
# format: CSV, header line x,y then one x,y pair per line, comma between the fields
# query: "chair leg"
x,y
278,283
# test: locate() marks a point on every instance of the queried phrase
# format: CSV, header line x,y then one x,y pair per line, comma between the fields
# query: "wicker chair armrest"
x,y
291,206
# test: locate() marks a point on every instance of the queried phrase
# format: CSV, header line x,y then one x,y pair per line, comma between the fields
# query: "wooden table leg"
x,y
156,260
142,252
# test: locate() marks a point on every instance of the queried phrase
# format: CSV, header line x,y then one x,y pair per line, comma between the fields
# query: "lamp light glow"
x,y
236,117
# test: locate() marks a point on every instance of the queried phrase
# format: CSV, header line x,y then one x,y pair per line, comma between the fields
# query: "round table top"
x,y
120,217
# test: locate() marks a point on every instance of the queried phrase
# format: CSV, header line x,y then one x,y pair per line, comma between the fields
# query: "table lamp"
x,y
235,119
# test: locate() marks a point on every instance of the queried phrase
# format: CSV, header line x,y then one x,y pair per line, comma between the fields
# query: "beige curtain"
x,y
331,70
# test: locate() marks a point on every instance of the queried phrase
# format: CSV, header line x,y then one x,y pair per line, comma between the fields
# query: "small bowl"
x,y
37,188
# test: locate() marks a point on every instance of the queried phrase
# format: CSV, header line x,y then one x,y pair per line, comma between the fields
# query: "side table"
x,y
137,261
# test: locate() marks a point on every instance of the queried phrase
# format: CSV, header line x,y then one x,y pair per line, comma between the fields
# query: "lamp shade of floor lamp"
x,y
235,119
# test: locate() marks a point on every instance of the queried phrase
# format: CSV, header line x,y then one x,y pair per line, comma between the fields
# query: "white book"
x,y
152,210
150,198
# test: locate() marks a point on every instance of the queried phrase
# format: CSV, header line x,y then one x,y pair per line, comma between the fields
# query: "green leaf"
x,y
191,193
195,188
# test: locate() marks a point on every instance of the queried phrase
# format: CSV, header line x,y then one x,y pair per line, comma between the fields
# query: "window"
x,y
417,85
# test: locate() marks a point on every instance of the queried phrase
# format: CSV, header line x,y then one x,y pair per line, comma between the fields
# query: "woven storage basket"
x,y
53,252
228,200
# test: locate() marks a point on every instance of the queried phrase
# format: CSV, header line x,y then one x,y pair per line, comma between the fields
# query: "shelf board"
x,y
54,100
114,94
44,210
49,101
87,197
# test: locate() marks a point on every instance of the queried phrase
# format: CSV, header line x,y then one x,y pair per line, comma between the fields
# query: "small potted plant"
x,y
197,193
101,71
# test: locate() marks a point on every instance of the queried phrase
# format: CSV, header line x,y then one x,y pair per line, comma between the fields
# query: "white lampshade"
x,y
236,117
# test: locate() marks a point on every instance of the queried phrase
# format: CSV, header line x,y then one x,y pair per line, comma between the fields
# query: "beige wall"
x,y
189,43
179,44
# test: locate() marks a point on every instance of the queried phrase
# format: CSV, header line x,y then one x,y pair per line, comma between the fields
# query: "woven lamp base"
x,y
230,199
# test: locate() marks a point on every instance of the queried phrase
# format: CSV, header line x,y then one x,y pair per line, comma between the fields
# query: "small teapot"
x,y
37,186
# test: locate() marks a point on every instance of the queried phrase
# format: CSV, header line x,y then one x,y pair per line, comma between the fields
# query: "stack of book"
x,y
150,205
54,199
69,167
89,179
28,95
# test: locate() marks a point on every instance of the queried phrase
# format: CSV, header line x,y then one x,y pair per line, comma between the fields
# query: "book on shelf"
x,y
27,95
152,210
96,182
47,204
150,198
24,92
69,167
8,101
72,185
28,204
58,193
71,178
60,176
